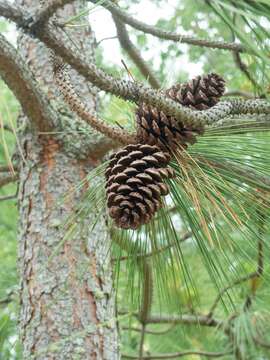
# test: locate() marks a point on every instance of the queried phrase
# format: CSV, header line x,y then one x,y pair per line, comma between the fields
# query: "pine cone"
x,y
135,184
156,128
200,93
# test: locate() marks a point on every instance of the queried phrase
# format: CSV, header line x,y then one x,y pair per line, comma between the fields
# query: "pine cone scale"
x,y
134,193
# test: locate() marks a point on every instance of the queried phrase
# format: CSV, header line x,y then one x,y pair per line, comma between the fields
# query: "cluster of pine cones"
x,y
135,176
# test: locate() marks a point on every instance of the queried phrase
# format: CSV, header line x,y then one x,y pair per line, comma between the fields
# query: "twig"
x,y
150,332
8,299
62,79
185,319
8,128
10,197
163,34
255,274
185,237
7,179
180,354
142,342
5,168
243,67
238,61
147,293
243,94
105,39
134,53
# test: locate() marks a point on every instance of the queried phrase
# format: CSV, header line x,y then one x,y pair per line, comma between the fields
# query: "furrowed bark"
x,y
67,303
67,297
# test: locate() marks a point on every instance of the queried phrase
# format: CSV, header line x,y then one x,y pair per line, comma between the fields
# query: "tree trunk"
x,y
67,297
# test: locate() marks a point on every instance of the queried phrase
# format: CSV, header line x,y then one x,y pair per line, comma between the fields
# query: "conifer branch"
x,y
6,168
179,354
134,53
7,179
21,81
62,79
167,35
147,291
137,92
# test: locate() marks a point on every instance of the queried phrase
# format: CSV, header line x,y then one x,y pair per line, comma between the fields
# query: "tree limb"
x,y
7,179
179,354
137,92
167,35
6,168
134,53
21,81
242,124
255,274
62,79
243,94
185,319
151,332
183,238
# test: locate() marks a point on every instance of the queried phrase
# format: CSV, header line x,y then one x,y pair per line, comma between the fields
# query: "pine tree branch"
x,y
167,35
6,168
43,16
150,332
233,107
141,357
137,92
7,179
238,61
62,79
242,124
147,291
255,274
58,42
243,67
243,94
183,238
134,53
185,319
21,81
179,354
8,128
8,197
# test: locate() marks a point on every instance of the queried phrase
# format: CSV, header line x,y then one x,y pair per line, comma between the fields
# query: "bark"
x,y
67,296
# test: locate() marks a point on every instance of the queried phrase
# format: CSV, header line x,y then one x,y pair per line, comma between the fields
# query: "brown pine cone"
x,y
156,128
200,93
135,184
